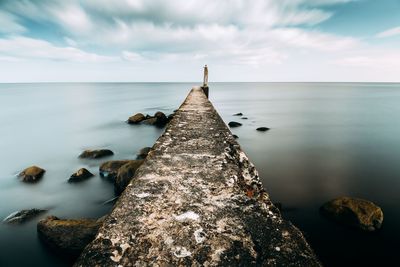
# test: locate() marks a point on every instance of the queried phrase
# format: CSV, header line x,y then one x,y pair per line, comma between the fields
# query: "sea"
x,y
326,140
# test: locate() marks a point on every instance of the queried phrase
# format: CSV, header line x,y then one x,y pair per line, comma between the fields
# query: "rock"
x,y
354,212
160,116
22,216
234,124
137,118
143,152
109,169
170,117
238,114
235,136
95,154
262,129
32,174
150,121
244,118
67,236
125,175
159,119
80,175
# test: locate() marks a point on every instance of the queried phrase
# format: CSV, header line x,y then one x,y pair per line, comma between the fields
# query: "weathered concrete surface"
x,y
196,201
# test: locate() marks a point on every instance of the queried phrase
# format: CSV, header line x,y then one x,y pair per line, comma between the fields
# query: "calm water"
x,y
327,140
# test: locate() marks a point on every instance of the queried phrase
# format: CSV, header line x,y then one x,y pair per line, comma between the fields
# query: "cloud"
x,y
73,18
226,29
29,48
389,33
267,35
131,56
389,60
9,23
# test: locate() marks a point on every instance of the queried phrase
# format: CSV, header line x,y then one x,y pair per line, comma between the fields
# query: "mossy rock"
x,y
80,175
137,118
32,174
96,153
109,169
354,212
125,175
67,236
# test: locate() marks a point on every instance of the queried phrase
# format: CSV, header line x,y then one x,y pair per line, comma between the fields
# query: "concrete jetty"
x,y
197,200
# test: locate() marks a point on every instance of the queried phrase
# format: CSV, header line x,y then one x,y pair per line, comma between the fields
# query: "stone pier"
x,y
197,200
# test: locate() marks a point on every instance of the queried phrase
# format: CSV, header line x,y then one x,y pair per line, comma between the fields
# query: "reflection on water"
x,y
326,140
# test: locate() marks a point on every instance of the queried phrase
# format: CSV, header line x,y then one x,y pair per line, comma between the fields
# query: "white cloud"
x,y
73,18
29,48
234,37
131,56
372,59
389,33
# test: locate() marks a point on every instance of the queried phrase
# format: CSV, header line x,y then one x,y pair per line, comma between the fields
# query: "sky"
x,y
170,41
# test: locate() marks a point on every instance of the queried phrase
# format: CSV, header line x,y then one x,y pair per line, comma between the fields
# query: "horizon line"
x,y
197,82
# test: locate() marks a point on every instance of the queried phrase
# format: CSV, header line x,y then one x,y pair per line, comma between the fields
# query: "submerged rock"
x,y
355,212
238,114
109,169
32,174
262,129
22,216
67,236
150,121
244,118
234,124
159,119
235,136
137,118
125,175
95,154
80,175
143,152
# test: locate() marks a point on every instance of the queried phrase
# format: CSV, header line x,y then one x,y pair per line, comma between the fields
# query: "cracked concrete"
x,y
197,200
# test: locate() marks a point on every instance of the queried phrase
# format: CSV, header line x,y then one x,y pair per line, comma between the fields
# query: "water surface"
x,y
326,140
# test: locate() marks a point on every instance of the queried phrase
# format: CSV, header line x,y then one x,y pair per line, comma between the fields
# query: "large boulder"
x,y
67,236
137,118
142,154
22,216
96,153
125,175
109,169
355,212
234,124
80,175
32,174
